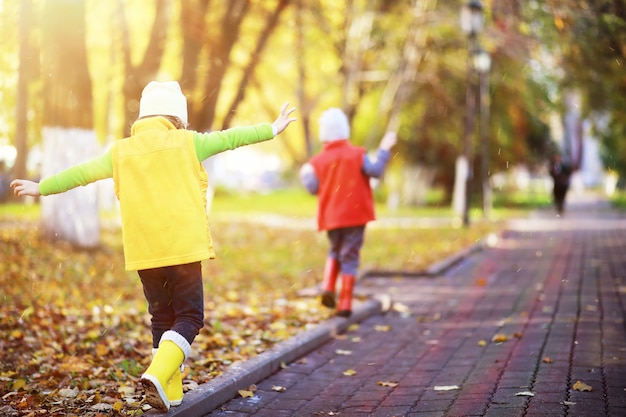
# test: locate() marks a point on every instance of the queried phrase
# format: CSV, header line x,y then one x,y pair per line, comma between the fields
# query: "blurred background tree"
x,y
398,65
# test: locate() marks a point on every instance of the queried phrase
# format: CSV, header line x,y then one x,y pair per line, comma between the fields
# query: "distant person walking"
x,y
340,177
561,173
161,186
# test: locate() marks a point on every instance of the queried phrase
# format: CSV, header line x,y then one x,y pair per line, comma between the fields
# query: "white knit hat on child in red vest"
x,y
334,125
163,99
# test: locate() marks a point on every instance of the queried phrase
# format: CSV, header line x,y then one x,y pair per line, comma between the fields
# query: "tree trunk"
x,y
137,76
68,134
24,76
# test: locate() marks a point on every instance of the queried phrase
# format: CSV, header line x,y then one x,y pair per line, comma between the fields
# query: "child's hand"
x,y
23,188
283,119
388,141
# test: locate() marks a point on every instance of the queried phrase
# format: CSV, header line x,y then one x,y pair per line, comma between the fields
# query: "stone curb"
x,y
208,396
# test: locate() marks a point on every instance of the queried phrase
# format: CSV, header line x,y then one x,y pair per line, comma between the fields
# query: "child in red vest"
x,y
340,176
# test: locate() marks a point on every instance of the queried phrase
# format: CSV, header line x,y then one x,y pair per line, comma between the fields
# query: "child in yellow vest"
x,y
161,187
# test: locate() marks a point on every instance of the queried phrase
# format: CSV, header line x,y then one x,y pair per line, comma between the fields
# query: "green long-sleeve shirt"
x,y
206,145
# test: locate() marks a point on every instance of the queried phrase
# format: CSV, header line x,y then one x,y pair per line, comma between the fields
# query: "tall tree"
x,y
136,76
68,134
26,72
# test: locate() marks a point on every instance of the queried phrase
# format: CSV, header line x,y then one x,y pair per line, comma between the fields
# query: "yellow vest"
x,y
161,187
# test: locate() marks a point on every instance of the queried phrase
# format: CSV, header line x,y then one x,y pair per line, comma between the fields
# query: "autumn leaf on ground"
x,y
388,383
547,359
499,338
278,388
482,343
382,328
349,372
445,387
245,393
581,386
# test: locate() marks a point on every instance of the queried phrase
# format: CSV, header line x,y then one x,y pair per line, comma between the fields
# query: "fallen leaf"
x,y
482,343
278,388
445,387
245,393
103,407
547,359
102,349
499,338
581,386
68,392
343,352
382,328
388,383
349,372
19,384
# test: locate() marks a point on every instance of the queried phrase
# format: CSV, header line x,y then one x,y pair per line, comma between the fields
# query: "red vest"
x,y
344,195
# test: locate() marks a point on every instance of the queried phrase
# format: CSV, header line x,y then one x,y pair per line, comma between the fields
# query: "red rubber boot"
x,y
345,298
331,270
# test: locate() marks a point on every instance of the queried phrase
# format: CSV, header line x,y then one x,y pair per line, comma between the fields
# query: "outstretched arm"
x,y
376,168
283,119
23,188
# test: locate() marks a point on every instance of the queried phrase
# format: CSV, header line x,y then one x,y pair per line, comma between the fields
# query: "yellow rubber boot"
x,y
172,352
174,390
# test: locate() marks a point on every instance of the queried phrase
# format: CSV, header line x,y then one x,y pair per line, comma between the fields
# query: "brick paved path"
x,y
553,288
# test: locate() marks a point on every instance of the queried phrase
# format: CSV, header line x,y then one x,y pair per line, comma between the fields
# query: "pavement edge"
x,y
210,395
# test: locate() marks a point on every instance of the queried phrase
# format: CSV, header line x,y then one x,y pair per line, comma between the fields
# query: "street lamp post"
x,y
471,25
482,64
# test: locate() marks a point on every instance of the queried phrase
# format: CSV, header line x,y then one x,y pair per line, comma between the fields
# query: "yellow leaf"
x,y
387,383
245,393
102,349
482,343
19,384
499,338
118,405
349,372
581,386
382,328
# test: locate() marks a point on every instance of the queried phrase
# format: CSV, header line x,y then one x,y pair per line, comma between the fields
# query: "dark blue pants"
x,y
175,300
345,247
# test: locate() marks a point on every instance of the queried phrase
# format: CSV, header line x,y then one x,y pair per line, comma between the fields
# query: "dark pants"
x,y
175,300
559,192
345,247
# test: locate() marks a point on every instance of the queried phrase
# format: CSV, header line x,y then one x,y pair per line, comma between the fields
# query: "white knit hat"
x,y
163,99
334,125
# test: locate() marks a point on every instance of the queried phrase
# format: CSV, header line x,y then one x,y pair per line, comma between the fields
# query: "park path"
x,y
530,325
